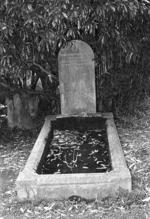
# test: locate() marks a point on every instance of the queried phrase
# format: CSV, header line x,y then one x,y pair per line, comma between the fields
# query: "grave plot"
x,y
31,184
77,149
77,163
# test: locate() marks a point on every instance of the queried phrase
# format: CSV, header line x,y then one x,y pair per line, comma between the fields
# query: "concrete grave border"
x,y
30,185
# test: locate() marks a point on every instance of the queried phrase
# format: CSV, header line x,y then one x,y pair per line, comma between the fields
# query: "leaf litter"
x,y
135,142
77,152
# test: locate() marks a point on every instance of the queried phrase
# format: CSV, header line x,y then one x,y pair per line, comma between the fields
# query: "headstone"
x,y
21,103
77,78
18,112
33,106
12,117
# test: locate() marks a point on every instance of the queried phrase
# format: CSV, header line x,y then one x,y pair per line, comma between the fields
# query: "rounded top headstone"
x,y
76,46
77,78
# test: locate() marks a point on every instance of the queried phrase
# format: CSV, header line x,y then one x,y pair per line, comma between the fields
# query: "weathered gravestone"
x,y
77,78
21,109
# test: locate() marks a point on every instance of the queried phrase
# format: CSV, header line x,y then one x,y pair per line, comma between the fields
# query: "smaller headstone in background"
x,y
21,105
20,111
12,118
77,78
33,106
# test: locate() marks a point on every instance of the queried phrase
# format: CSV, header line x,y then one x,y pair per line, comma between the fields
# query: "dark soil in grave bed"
x,y
76,149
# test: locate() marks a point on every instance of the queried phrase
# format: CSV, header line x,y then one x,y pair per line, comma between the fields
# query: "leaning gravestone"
x,y
77,78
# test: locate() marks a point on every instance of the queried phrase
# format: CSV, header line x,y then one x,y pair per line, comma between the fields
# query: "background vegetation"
x,y
32,33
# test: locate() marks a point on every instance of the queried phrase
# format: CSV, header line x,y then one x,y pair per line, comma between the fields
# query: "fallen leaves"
x,y
15,147
74,151
136,148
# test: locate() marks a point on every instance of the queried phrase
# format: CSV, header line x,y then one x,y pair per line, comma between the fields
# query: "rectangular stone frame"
x,y
31,186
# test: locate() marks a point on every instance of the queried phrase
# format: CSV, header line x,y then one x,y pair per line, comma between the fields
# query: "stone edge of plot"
x,y
31,185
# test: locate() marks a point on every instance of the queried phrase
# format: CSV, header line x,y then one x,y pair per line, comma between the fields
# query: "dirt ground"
x,y
134,133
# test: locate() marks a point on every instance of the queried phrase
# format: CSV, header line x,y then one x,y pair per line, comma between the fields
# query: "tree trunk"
x,y
21,110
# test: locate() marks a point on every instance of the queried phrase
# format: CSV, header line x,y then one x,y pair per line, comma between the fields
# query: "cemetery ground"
x,y
134,133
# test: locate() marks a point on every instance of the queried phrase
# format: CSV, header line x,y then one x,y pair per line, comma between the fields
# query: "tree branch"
x,y
44,70
30,92
2,84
